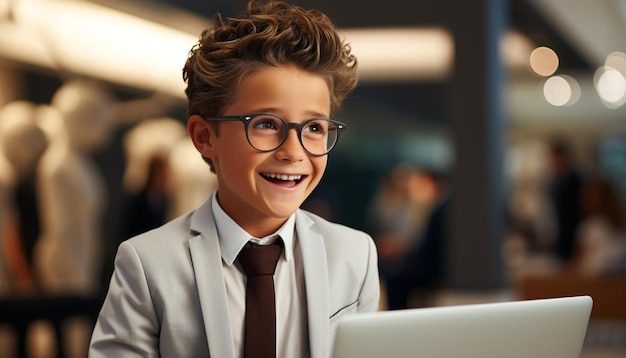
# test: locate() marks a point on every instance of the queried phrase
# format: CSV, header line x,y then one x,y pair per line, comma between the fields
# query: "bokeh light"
x,y
617,60
544,61
561,90
611,86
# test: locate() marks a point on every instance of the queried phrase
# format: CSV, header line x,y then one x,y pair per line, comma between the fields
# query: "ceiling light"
x,y
561,90
544,61
401,54
611,86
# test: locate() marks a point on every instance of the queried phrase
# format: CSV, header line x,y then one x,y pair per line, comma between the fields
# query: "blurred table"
x,y
608,292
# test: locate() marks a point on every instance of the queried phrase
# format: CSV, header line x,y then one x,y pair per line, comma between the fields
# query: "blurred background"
x,y
485,152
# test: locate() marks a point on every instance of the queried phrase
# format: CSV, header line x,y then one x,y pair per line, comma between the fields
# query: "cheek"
x,y
222,146
236,157
319,166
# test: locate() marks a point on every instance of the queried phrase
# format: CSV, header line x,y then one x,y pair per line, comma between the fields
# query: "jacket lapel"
x,y
207,265
316,283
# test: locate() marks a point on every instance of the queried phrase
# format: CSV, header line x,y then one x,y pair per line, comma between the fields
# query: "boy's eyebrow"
x,y
276,111
319,115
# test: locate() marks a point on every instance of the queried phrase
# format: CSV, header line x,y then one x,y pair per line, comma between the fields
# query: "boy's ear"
x,y
201,134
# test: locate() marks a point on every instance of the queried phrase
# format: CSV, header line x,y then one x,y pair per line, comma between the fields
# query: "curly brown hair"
x,y
272,34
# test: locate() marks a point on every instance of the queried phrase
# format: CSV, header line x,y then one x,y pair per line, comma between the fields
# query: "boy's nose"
x,y
292,148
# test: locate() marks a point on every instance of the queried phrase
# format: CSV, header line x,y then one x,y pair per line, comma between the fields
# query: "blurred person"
x,y
147,209
425,260
147,180
22,143
532,226
531,214
261,88
600,247
565,185
395,218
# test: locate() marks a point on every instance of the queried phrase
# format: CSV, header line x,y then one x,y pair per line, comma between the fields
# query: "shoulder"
x,y
166,237
157,254
325,226
336,237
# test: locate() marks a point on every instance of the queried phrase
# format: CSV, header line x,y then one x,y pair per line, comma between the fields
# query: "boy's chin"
x,y
284,212
282,209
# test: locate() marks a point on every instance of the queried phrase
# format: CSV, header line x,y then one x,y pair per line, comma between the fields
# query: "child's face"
x,y
255,201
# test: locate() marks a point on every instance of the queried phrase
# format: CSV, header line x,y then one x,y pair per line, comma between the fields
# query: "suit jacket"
x,y
167,296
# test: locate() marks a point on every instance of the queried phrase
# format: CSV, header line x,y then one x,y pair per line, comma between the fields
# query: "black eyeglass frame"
x,y
247,118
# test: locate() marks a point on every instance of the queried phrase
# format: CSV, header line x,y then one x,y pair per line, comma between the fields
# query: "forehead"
x,y
284,89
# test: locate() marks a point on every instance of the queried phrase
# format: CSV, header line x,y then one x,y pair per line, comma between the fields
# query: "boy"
x,y
260,90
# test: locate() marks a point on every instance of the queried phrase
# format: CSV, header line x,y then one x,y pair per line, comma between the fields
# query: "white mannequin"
x,y
68,254
22,142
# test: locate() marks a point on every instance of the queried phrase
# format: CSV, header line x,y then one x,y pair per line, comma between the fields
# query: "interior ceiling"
x,y
582,33
594,28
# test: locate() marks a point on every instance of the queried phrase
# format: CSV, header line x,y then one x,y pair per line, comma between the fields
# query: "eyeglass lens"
x,y
266,133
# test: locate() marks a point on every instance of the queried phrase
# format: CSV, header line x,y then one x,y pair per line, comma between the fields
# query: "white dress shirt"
x,y
291,313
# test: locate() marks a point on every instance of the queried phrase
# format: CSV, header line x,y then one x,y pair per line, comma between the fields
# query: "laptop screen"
x,y
547,328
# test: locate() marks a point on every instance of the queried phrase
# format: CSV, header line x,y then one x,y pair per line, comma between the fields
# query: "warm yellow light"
x,y
83,38
401,54
86,39
544,61
515,49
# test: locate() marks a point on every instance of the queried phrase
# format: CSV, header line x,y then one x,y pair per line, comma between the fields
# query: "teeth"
x,y
282,176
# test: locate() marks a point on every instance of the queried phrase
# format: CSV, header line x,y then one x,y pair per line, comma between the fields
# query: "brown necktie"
x,y
259,262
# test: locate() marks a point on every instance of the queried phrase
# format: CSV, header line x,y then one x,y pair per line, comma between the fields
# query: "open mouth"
x,y
293,179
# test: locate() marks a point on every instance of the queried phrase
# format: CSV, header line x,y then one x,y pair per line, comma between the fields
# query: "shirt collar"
x,y
233,237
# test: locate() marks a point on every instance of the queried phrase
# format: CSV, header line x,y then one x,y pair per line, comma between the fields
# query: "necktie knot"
x,y
257,260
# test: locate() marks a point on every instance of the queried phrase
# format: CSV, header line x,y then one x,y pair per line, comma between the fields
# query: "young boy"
x,y
261,89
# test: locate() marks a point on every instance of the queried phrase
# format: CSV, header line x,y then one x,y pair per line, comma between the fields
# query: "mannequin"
x,y
68,255
22,143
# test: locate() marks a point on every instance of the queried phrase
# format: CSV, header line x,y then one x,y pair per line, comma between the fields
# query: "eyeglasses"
x,y
267,132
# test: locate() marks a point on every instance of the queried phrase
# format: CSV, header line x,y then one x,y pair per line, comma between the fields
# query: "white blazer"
x,y
167,296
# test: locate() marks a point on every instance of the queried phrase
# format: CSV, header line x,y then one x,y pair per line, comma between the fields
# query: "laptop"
x,y
545,328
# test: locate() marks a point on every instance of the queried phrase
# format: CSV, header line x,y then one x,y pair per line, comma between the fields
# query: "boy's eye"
x,y
265,123
315,128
